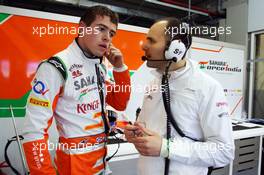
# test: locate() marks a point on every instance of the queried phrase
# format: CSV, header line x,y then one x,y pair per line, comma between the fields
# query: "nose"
x,y
107,37
144,46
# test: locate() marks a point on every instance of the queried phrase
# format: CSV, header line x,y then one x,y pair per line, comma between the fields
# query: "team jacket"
x,y
74,103
200,109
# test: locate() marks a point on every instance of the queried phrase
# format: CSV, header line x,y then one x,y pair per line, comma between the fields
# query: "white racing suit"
x,y
76,107
200,109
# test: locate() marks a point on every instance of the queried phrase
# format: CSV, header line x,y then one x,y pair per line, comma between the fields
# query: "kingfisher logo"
x,y
220,66
85,108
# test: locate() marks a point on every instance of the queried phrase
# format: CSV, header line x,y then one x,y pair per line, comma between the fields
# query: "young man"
x,y
197,104
71,88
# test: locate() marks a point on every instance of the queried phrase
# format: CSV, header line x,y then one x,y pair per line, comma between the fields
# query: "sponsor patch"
x,y
39,87
220,66
76,73
83,141
75,70
57,64
85,91
85,108
84,82
39,102
219,104
100,139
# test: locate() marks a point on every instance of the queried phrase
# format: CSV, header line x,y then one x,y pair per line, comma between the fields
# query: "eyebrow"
x,y
150,39
107,28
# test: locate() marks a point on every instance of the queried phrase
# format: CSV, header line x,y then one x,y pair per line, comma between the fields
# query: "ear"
x,y
176,50
82,24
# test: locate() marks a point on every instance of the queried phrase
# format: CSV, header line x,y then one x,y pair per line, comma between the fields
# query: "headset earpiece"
x,y
175,51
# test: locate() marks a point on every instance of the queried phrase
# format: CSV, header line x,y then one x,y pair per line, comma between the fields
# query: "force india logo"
x,y
218,66
85,108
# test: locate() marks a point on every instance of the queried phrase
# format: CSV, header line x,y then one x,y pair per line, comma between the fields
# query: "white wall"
x,y
237,18
255,15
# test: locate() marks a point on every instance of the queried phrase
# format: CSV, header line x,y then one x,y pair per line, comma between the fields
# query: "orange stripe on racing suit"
x,y
96,115
98,125
71,164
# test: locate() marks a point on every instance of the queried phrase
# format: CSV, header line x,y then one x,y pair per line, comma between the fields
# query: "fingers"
x,y
129,132
143,148
137,141
132,133
131,127
114,56
144,130
114,53
139,133
147,132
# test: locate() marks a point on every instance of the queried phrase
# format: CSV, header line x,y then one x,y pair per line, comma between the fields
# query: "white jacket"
x,y
200,109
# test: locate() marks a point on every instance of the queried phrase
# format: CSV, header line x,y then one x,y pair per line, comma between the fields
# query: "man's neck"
x,y
174,66
80,43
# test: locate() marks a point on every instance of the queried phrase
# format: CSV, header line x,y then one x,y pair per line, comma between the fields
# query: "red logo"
x,y
218,104
76,73
85,108
75,70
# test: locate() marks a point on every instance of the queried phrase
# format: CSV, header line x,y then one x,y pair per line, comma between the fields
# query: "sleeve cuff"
x,y
164,151
120,69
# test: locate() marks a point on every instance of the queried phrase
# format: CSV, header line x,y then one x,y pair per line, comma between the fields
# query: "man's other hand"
x,y
147,142
114,56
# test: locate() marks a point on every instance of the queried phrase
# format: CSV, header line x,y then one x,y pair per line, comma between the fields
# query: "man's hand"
x,y
114,56
147,145
131,132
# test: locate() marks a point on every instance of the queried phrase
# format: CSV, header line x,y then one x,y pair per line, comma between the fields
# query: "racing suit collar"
x,y
85,55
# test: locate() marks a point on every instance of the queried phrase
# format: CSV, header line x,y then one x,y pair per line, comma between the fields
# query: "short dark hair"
x,y
93,11
174,23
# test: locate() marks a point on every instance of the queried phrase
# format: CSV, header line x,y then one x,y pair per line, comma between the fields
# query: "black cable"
x,y
118,146
9,141
101,95
170,118
166,101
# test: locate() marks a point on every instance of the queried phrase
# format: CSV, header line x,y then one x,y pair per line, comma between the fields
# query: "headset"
x,y
176,49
